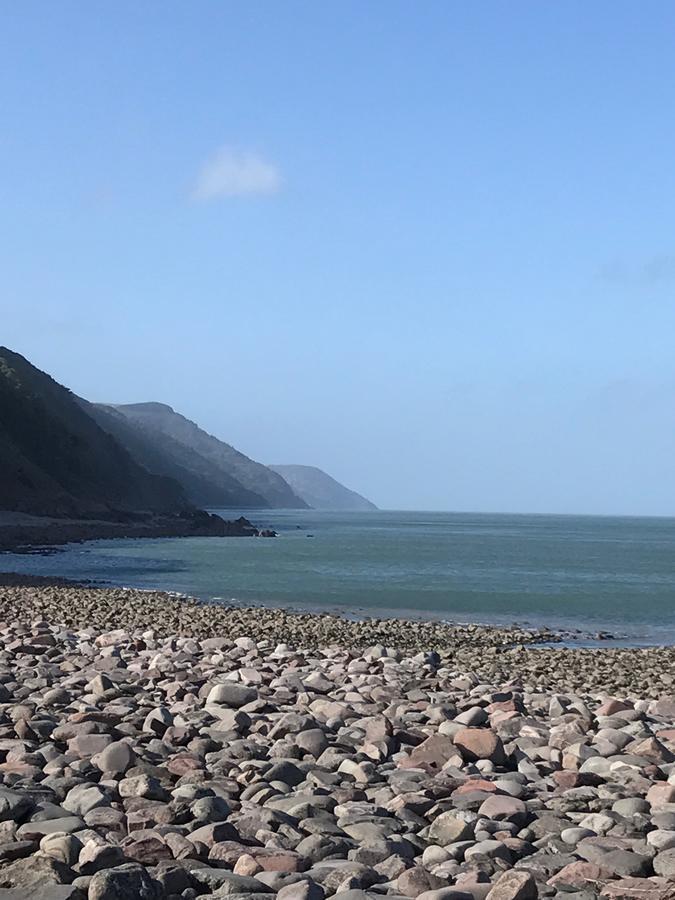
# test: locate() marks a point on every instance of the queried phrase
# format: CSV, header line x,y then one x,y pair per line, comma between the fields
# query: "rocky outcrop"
x,y
39,532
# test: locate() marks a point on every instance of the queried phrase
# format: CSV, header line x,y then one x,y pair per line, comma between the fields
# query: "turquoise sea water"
x,y
590,573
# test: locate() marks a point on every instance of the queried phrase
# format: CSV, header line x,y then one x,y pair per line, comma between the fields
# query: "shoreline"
x,y
524,632
537,634
495,651
540,635
553,625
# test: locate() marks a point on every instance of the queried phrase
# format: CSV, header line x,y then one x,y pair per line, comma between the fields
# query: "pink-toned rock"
x,y
180,847
580,873
247,865
468,887
639,889
88,745
498,717
502,806
653,749
212,834
148,849
613,706
24,769
105,717
566,779
479,743
667,735
665,708
505,706
415,881
377,728
431,755
514,885
148,816
475,784
519,847
605,843
660,794
269,859
184,763
575,755
97,854
278,860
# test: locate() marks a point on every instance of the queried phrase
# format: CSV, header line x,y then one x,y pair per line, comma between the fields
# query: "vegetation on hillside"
x,y
56,460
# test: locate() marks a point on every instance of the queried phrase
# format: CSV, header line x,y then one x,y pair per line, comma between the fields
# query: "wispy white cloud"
x,y
235,173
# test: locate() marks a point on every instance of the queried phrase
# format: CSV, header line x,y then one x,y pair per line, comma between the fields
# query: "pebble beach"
x,y
154,746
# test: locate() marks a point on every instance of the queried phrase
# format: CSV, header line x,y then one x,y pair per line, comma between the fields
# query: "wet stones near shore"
x,y
207,756
496,653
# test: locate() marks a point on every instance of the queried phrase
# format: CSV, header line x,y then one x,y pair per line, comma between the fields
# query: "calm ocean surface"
x,y
589,573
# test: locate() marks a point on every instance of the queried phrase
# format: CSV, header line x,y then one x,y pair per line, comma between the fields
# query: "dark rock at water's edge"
x,y
33,532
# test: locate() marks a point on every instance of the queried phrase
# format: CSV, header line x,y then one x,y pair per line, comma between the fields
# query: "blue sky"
x,y
427,247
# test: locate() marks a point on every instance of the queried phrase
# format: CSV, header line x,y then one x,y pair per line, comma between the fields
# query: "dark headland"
x,y
71,470
64,478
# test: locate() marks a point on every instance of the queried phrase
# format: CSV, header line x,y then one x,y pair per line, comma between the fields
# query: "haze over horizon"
x,y
430,251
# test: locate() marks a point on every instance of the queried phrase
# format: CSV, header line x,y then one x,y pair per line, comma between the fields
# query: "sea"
x,y
584,575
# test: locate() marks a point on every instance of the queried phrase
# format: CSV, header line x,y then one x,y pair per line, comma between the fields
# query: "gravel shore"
x,y
153,746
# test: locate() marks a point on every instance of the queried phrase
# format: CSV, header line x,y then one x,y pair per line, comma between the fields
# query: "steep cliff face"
x,y
65,457
56,460
211,472
320,491
203,482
